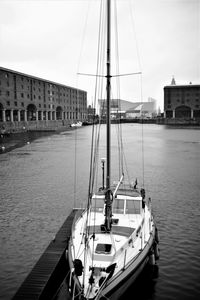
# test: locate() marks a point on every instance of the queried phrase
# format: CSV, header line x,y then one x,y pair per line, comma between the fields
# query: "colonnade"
x,y
174,114
12,115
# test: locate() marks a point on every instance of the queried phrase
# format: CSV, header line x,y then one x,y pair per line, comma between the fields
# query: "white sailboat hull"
x,y
118,286
127,268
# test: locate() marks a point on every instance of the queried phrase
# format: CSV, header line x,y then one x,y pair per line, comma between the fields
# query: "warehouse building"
x,y
182,101
25,99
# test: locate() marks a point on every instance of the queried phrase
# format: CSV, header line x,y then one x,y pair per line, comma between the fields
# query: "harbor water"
x,y
44,178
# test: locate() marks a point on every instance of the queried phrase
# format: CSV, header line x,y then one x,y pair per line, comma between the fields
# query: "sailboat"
x,y
115,236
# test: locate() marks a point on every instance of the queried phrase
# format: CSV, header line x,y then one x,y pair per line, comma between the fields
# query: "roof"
x,y
38,78
182,86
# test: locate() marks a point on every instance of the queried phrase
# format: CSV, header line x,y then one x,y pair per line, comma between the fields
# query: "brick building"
x,y
182,101
25,98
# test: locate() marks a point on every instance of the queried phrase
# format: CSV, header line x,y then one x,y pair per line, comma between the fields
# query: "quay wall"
x,y
57,125
16,127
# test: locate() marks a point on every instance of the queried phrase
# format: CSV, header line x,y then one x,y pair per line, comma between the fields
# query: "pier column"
x,y
192,114
11,115
46,115
18,115
4,115
36,115
173,114
25,115
42,114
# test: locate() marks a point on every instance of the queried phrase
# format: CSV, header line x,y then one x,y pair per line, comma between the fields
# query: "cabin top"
x,y
129,202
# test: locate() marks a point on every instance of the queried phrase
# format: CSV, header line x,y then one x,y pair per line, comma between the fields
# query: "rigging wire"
x,y
97,92
95,129
143,171
119,126
141,84
77,84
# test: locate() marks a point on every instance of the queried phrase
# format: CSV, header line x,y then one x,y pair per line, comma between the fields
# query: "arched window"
x,y
183,112
59,113
31,112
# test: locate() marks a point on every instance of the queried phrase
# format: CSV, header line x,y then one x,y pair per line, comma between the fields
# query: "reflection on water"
x,y
37,193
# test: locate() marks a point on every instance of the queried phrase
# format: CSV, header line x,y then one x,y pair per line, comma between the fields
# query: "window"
x,y
8,103
22,95
118,206
133,206
7,93
103,248
15,103
22,104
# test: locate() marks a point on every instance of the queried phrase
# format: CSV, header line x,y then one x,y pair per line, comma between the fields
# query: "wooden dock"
x,y
49,272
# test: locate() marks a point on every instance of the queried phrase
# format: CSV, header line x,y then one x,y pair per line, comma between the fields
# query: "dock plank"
x,y
47,275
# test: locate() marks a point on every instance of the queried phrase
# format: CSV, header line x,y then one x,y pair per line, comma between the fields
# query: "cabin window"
x,y
98,205
103,248
133,206
118,207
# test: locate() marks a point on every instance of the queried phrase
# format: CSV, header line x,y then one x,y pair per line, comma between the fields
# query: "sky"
x,y
56,39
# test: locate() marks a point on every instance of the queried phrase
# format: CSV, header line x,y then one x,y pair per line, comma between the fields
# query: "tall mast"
x,y
108,88
108,209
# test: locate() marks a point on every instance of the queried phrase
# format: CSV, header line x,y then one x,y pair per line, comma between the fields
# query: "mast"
x,y
108,197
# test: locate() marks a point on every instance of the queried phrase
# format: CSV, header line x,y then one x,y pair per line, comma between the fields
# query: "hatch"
x,y
103,248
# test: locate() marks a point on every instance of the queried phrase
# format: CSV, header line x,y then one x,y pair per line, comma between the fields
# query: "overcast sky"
x,y
56,39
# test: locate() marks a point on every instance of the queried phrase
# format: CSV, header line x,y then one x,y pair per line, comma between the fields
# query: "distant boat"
x,y
116,235
77,124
